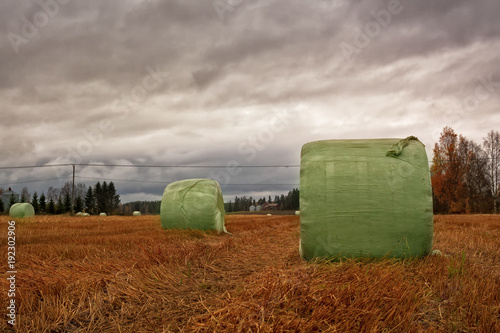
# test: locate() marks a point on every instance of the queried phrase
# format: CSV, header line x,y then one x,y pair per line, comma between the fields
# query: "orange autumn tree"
x,y
447,173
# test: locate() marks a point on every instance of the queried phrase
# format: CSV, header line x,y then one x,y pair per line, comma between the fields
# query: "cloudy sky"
x,y
232,83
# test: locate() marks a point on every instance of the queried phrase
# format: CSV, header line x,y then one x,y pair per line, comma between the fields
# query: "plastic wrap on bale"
x,y
193,204
20,210
365,198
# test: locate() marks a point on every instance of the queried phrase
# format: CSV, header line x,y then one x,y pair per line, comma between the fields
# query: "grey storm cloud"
x,y
76,84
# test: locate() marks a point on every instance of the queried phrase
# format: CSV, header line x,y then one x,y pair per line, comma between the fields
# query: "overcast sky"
x,y
233,82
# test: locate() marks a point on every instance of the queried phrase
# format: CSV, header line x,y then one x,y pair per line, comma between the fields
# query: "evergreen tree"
x,y
12,200
98,195
67,203
89,201
112,198
60,206
295,199
237,206
43,203
103,200
34,203
79,204
51,207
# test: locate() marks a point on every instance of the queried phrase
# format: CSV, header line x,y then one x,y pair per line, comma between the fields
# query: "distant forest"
x,y
100,198
285,202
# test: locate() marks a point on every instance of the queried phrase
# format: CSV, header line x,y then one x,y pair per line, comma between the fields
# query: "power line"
x,y
33,181
34,166
160,182
123,180
146,166
188,166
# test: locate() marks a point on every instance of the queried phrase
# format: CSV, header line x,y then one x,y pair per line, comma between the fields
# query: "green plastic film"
x,y
19,210
365,198
193,204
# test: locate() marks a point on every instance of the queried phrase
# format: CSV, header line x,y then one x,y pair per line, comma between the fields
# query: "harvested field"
x,y
126,274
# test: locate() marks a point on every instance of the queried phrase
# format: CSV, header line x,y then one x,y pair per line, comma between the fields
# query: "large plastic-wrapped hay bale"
x,y
103,214
365,198
136,213
19,210
193,204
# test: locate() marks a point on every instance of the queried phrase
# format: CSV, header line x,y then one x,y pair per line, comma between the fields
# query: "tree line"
x,y
465,175
100,198
285,202
145,207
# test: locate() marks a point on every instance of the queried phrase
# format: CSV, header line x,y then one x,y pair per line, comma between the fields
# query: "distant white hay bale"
x,y
297,212
136,213
86,214
268,214
19,210
103,214
79,214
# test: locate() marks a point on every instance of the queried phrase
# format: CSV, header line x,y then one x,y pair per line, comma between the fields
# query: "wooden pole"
x,y
73,193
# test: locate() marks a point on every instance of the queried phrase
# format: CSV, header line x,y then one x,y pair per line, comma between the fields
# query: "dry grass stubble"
x,y
126,274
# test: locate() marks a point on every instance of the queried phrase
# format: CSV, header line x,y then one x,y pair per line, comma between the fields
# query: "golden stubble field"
x,y
126,274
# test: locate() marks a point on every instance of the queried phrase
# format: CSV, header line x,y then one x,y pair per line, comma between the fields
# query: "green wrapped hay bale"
x,y
193,204
19,210
365,198
136,213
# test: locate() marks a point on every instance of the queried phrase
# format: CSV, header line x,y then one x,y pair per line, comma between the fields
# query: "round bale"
x,y
19,210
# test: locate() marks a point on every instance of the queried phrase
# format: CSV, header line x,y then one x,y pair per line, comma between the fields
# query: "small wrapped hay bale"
x,y
365,198
79,214
136,213
193,204
19,210
103,214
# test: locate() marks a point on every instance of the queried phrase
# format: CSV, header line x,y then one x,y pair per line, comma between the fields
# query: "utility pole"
x,y
73,193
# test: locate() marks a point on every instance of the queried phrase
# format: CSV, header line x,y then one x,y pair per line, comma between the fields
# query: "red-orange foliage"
x,y
448,172
459,171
